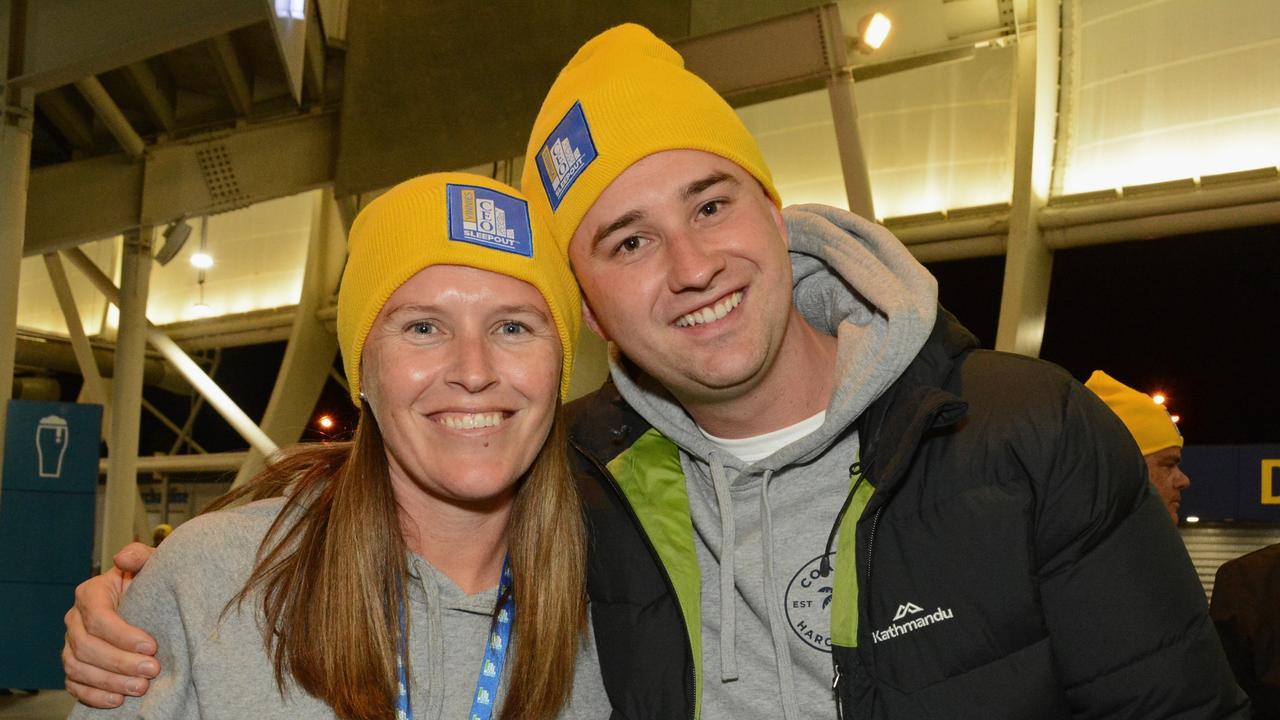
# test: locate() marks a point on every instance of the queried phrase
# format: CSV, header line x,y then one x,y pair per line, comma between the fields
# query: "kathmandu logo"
x,y
911,624
905,610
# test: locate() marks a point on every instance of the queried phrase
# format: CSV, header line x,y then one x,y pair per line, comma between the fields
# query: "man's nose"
x,y
694,262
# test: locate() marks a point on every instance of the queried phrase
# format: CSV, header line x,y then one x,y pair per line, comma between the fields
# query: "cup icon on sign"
x,y
52,438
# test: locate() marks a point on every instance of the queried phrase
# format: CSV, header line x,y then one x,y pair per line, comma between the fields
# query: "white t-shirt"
x,y
751,449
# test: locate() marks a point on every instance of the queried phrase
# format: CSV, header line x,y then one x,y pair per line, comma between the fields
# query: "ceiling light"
x,y
1159,398
872,31
202,260
1193,519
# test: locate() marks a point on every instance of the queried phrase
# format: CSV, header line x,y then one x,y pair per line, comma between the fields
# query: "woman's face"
x,y
461,369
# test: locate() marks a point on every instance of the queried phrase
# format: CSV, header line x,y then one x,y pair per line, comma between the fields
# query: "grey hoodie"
x,y
215,666
766,650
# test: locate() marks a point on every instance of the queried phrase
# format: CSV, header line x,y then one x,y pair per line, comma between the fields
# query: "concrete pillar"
x,y
126,396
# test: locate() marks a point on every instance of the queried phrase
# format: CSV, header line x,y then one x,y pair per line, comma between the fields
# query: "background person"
x,y
1246,611
1155,432
403,569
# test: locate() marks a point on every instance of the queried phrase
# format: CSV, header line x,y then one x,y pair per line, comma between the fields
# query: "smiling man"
x,y
810,493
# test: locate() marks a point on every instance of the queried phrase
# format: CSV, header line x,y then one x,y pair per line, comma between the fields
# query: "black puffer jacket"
x,y
1012,563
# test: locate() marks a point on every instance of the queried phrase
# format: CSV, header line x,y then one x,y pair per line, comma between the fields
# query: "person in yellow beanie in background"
x,y
1155,432
434,566
802,459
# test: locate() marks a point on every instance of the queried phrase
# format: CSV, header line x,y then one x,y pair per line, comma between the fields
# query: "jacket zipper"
x,y
671,587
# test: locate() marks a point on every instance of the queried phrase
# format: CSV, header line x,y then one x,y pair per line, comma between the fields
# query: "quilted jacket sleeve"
x,y
1126,615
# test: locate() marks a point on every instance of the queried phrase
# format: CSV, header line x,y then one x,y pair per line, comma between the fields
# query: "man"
x,y
801,459
1155,432
1246,593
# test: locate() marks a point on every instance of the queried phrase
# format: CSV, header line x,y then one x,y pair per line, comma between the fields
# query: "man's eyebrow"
x,y
697,186
628,218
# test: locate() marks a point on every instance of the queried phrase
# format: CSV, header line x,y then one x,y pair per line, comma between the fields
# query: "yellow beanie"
x,y
449,219
624,96
1148,422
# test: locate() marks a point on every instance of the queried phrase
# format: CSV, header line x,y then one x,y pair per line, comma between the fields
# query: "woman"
x,y
391,577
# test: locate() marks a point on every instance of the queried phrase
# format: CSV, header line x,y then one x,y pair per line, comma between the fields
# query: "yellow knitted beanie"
x,y
449,219
624,96
1148,422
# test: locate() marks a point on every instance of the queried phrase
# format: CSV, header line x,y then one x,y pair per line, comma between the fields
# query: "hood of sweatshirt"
x,y
854,280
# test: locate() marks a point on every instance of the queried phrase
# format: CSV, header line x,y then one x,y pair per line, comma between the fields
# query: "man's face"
x,y
1168,478
683,263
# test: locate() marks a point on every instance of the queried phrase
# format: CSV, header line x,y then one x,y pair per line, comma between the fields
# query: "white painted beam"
x,y
118,514
16,108
67,118
270,160
109,113
155,100
231,73
1028,261
203,384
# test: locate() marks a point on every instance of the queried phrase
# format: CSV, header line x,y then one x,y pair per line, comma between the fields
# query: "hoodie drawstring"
x,y
773,607
729,541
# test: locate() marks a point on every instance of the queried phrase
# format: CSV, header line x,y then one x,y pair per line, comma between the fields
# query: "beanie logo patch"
x,y
488,218
565,155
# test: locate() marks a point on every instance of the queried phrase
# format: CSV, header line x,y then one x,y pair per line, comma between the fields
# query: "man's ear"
x,y
592,323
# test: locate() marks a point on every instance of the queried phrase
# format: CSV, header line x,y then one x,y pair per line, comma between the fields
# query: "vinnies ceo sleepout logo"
x,y
489,218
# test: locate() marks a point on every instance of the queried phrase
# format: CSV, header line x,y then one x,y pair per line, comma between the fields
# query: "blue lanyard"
x,y
495,654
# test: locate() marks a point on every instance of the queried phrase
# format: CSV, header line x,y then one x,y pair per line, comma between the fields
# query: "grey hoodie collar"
x,y
853,279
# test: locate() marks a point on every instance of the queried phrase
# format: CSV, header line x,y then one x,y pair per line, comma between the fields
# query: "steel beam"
x,y
212,462
309,356
221,402
96,392
154,98
67,118
126,401
172,426
267,160
70,39
1028,261
227,64
111,116
16,114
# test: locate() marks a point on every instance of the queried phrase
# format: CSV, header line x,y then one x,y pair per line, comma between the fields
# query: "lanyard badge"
x,y
495,655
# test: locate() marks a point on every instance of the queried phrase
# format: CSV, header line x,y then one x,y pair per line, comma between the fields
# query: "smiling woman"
x,y
399,571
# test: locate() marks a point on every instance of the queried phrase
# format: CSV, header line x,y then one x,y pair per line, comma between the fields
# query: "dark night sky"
x,y
1197,317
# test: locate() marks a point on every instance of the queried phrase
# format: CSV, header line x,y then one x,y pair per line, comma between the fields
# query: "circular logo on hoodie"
x,y
808,604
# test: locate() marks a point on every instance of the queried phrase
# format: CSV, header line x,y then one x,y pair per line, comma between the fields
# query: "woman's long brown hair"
x,y
331,573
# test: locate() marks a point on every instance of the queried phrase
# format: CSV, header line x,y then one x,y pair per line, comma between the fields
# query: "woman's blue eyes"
x,y
512,327
422,328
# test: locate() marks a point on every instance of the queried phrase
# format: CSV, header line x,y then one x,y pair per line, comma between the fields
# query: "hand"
x,y
104,657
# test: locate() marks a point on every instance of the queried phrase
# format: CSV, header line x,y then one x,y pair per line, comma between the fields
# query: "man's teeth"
x,y
471,421
711,312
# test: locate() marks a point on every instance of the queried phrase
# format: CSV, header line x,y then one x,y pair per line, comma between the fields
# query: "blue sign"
x,y
1232,482
47,495
565,155
490,219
